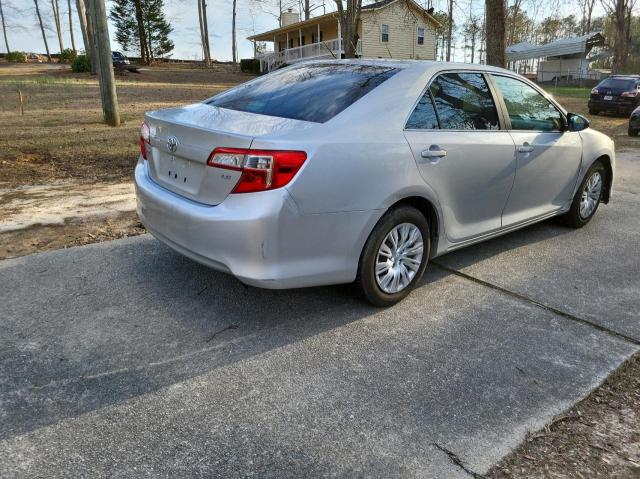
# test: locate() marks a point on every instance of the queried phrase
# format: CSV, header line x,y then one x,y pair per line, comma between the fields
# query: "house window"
x,y
302,40
290,42
384,33
420,36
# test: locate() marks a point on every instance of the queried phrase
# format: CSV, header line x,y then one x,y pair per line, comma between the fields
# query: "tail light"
x,y
630,93
145,139
261,169
594,91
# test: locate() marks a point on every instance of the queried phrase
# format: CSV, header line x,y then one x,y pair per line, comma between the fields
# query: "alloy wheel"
x,y
590,195
399,258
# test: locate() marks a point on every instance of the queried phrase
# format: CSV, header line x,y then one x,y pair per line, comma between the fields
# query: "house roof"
x,y
268,35
564,46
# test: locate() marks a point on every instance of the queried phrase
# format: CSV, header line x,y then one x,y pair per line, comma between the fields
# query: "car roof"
x,y
416,65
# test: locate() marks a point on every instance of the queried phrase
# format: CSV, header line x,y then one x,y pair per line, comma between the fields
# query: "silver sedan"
x,y
361,171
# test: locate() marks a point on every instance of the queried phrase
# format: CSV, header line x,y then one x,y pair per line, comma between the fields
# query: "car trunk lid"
x,y
183,138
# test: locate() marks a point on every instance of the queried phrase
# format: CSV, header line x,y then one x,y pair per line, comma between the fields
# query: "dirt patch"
x,y
598,437
73,232
32,205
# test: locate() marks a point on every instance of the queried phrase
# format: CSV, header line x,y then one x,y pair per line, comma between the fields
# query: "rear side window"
x,y
314,92
464,102
527,108
423,116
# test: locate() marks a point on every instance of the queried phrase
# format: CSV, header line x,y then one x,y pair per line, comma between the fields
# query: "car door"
x,y
548,155
462,152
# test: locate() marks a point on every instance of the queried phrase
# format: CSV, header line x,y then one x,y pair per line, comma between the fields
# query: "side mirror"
x,y
576,122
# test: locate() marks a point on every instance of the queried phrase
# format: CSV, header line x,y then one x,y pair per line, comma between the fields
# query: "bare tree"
x,y
4,28
73,40
587,7
618,9
307,10
495,32
449,30
44,37
55,8
204,31
234,45
82,15
349,18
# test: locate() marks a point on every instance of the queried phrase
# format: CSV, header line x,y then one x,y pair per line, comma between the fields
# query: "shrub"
x,y
67,56
250,65
81,64
16,57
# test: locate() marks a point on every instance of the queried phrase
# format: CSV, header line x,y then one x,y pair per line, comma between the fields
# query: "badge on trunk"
x,y
172,144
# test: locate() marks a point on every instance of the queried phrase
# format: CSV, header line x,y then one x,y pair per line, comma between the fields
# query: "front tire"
x,y
394,257
587,198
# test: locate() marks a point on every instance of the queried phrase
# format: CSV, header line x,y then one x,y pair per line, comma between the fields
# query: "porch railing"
x,y
328,49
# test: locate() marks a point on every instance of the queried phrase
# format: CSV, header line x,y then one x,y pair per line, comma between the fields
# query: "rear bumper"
x,y
626,105
261,238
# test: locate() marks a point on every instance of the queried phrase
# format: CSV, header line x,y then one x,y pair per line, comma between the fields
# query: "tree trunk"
x,y
234,46
620,19
4,28
307,10
142,35
473,45
55,7
349,19
449,30
44,37
495,21
82,15
73,40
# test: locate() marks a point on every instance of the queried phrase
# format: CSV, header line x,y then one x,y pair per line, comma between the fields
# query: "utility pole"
x,y
4,28
104,62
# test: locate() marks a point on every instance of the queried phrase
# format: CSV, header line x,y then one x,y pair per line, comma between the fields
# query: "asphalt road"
x,y
124,359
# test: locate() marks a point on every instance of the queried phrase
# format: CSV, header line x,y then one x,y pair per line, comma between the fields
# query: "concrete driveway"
x,y
125,359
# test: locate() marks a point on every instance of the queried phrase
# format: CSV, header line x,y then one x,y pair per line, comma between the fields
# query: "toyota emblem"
x,y
172,144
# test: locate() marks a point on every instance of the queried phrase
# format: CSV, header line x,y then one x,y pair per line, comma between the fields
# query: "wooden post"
x,y
20,99
105,64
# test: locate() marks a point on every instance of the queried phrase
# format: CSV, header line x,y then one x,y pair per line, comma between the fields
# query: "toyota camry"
x,y
360,171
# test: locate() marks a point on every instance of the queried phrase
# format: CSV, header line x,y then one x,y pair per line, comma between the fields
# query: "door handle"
x,y
434,151
525,148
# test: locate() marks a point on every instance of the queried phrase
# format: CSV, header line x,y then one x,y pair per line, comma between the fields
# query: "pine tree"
x,y
142,26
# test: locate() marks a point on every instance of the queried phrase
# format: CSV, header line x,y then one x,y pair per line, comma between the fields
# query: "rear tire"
x,y
593,111
587,198
392,262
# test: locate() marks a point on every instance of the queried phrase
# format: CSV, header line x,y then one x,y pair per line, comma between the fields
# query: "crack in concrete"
x,y
538,304
455,459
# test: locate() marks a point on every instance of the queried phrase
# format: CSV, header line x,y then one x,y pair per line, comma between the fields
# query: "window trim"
x,y
502,125
424,35
382,33
541,92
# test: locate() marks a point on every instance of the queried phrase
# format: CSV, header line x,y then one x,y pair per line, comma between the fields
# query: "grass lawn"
x,y
61,135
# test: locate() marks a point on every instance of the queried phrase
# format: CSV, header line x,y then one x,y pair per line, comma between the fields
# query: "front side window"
x,y
313,92
527,108
464,102
384,33
420,36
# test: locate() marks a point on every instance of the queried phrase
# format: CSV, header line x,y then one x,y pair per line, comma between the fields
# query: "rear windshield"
x,y
314,92
618,84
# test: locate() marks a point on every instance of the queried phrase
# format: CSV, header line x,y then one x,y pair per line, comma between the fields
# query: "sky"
x,y
24,33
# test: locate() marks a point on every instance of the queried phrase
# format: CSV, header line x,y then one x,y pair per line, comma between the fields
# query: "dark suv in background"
x,y
618,94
